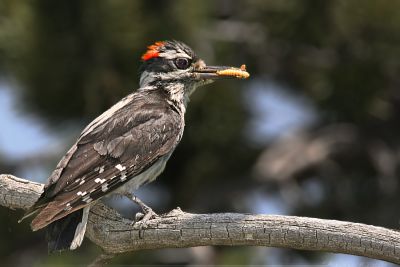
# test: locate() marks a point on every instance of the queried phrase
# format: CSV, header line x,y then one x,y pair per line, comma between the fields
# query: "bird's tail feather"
x,y
37,207
29,213
68,232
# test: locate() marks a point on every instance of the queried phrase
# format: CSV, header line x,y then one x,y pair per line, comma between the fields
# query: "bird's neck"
x,y
177,91
177,95
174,94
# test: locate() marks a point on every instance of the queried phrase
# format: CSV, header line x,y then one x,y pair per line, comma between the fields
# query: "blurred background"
x,y
313,132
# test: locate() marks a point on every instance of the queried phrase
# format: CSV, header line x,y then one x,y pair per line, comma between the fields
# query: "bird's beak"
x,y
217,72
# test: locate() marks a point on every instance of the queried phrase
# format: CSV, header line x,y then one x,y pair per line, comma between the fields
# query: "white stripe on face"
x,y
174,54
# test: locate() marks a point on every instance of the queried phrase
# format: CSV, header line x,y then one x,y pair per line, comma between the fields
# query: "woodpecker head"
x,y
174,67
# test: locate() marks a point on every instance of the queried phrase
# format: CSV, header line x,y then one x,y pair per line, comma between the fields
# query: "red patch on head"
x,y
152,51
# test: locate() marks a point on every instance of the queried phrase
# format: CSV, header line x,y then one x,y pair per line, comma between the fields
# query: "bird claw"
x,y
141,219
138,217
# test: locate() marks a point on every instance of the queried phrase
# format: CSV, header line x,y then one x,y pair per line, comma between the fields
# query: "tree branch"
x,y
115,234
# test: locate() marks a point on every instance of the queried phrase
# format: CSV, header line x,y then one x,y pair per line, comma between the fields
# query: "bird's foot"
x,y
141,220
148,214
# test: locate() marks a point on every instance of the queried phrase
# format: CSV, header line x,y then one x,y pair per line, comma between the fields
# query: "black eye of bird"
x,y
182,63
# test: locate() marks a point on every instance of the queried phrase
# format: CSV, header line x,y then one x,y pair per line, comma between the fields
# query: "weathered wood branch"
x,y
115,234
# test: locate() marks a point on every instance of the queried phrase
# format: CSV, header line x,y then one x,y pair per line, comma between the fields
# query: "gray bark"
x,y
115,234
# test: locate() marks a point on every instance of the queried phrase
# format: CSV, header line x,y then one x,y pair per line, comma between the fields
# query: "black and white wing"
x,y
117,146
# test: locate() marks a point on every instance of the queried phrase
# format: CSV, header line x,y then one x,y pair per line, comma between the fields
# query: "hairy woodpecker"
x,y
126,146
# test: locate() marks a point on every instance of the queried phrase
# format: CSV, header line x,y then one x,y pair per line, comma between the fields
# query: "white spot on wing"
x,y
101,170
123,176
104,187
68,207
120,167
82,182
80,193
147,176
99,180
87,199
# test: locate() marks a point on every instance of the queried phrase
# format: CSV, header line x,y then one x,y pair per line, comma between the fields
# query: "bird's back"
x,y
118,146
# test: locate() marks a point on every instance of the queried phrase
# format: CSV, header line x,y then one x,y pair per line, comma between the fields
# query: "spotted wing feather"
x,y
109,154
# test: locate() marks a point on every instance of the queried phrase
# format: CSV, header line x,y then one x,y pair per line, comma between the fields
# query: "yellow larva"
x,y
238,73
